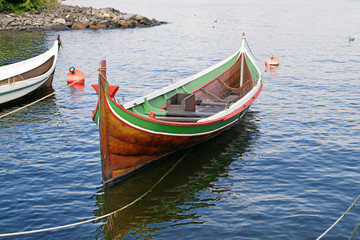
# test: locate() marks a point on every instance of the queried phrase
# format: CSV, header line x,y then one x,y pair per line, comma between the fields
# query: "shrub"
x,y
19,6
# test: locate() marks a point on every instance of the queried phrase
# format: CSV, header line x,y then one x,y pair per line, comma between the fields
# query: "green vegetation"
x,y
19,6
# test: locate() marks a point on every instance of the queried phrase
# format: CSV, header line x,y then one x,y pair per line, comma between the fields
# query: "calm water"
x,y
288,170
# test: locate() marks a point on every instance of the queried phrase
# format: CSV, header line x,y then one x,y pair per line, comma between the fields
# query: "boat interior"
x,y
43,68
215,96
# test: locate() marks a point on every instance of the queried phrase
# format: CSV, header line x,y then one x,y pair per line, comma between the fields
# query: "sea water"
x,y
288,170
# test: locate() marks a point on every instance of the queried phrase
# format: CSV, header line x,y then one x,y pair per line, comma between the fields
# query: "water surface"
x,y
288,170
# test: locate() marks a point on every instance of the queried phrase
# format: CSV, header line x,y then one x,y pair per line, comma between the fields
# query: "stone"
x,y
78,26
138,17
94,11
64,16
6,21
129,16
27,22
97,26
59,27
60,21
146,21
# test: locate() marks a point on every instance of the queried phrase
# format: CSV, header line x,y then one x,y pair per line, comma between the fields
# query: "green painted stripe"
x,y
96,117
254,73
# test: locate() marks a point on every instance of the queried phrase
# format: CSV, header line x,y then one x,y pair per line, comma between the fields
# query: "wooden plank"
x,y
190,114
178,119
204,103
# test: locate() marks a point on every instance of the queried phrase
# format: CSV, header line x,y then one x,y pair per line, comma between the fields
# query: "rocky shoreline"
x,y
66,17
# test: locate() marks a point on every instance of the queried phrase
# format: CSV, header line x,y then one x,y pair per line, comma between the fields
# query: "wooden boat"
x,y
176,117
22,78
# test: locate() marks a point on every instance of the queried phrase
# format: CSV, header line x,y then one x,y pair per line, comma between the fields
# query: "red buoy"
x,y
75,76
271,61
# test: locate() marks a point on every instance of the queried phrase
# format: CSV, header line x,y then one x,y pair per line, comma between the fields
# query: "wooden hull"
x,y
130,139
20,79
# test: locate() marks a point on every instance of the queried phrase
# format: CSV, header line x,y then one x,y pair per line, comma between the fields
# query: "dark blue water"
x,y
288,170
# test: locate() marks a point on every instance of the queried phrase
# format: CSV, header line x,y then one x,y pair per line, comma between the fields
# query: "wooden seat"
x,y
178,119
181,102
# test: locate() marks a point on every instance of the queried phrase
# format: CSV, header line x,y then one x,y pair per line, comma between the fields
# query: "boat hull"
x,y
20,79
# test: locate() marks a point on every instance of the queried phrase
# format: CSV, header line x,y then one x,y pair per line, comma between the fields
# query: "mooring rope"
x,y
339,218
251,51
67,60
40,99
101,217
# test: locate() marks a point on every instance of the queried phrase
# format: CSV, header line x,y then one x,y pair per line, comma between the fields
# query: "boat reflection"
x,y
38,112
77,92
170,201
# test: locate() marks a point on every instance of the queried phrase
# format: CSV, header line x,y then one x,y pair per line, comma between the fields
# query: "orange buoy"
x,y
75,76
271,61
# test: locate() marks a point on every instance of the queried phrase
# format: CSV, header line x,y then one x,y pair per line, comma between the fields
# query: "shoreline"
x,y
67,17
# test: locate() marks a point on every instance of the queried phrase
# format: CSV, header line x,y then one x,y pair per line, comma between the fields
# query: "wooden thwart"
x,y
178,119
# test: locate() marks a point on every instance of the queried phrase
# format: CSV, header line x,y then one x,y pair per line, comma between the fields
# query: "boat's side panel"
x,y
15,92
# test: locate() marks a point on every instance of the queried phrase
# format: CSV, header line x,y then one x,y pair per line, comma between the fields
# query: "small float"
x,y
271,61
75,77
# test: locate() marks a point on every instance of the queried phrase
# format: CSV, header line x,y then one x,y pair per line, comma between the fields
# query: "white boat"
x,y
22,78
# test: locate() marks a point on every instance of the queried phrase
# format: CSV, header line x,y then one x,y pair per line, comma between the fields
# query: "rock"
x,y
6,21
124,24
59,27
27,22
95,11
138,17
60,21
86,23
65,17
129,16
97,26
78,26
145,21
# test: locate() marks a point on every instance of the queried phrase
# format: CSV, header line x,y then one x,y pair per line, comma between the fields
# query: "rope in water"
x,y
40,99
101,217
355,230
339,218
